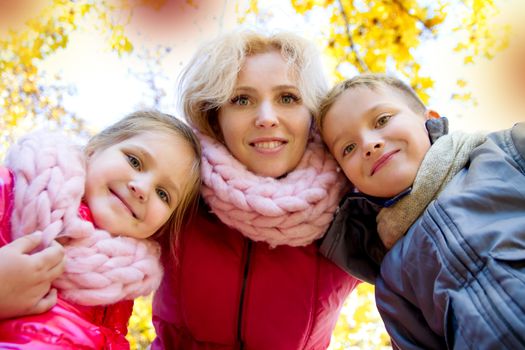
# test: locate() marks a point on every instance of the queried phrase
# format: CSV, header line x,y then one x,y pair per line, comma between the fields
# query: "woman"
x,y
247,273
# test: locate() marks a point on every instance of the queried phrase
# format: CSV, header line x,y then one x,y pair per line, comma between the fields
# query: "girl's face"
x,y
133,186
265,124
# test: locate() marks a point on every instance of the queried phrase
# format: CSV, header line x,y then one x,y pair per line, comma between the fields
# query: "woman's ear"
x,y
431,114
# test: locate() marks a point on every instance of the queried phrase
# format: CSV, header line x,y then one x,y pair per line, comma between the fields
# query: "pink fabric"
x,y
294,210
100,268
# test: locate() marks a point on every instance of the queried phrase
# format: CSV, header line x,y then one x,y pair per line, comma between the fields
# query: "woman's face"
x,y
265,124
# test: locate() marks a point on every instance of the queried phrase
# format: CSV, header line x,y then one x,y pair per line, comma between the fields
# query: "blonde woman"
x,y
247,273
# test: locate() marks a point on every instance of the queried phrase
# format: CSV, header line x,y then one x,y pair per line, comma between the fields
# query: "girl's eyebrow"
x,y
145,154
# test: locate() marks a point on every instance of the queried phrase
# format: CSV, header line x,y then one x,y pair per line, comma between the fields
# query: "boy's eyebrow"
x,y
337,140
369,112
378,107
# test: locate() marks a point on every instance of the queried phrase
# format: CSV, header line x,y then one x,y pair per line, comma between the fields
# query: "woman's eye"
x,y
133,161
163,195
383,120
348,149
241,100
288,99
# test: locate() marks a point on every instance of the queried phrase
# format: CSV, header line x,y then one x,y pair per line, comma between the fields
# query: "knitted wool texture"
x,y
49,185
294,210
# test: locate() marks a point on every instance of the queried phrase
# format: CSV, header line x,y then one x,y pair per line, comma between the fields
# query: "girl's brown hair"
x,y
146,121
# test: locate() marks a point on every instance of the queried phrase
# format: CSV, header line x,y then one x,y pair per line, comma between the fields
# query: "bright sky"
x,y
107,87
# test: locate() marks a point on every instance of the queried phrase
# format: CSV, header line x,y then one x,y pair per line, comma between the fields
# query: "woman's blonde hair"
x,y
209,78
146,121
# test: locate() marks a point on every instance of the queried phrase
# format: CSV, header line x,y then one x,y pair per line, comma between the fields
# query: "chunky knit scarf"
x,y
49,185
294,210
447,156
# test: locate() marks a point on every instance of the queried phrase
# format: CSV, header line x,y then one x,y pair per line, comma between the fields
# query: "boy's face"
x,y
377,139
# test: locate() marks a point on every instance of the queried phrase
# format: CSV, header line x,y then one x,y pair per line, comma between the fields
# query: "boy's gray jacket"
x,y
457,278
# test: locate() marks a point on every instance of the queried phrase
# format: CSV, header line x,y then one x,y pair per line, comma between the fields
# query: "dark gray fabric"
x,y
457,278
352,241
436,128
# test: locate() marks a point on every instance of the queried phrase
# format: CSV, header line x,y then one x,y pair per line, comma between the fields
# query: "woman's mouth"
x,y
268,145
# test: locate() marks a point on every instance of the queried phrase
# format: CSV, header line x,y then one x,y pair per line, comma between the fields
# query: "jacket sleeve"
x,y
6,204
67,326
518,138
404,296
352,241
115,324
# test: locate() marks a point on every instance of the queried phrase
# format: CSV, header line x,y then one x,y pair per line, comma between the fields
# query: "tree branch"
x,y
403,8
362,64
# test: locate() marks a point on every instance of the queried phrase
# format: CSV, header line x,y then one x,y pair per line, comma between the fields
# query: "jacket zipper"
x,y
243,290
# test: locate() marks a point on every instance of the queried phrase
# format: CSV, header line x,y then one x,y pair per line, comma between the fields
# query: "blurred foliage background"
x,y
354,35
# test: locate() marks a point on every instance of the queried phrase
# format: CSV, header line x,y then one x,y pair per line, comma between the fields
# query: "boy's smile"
x,y
382,161
377,139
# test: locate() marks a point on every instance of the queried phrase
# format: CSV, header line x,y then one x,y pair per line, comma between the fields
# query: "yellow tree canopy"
x,y
25,97
381,35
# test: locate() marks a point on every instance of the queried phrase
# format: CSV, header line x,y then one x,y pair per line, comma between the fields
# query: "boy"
x,y
436,222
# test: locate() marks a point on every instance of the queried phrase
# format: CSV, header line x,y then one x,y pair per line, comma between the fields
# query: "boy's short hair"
x,y
371,81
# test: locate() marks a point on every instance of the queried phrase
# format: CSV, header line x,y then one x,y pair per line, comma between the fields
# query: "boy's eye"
x,y
133,161
288,99
383,120
240,100
348,149
163,195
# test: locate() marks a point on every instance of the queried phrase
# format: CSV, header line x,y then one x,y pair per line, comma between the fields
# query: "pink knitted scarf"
x,y
294,210
49,185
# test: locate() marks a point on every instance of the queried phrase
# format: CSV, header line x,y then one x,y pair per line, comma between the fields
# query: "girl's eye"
x,y
240,100
348,149
163,195
383,120
288,99
133,161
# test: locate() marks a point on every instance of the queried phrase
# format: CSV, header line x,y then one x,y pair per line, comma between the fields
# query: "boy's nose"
x,y
373,147
266,116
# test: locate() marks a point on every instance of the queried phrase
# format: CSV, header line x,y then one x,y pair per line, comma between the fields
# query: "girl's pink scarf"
x,y
49,185
294,210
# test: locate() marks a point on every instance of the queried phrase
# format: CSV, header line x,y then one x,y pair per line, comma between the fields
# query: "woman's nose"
x,y
266,116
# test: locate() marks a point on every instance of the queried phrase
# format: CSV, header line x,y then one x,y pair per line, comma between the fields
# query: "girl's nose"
x,y
266,116
139,189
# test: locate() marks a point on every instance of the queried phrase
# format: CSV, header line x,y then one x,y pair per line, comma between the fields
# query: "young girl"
x,y
134,180
248,273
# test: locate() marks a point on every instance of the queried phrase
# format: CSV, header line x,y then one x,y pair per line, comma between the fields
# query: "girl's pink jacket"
x,y
66,325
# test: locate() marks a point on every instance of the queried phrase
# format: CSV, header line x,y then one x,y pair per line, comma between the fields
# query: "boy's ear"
x,y
431,114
